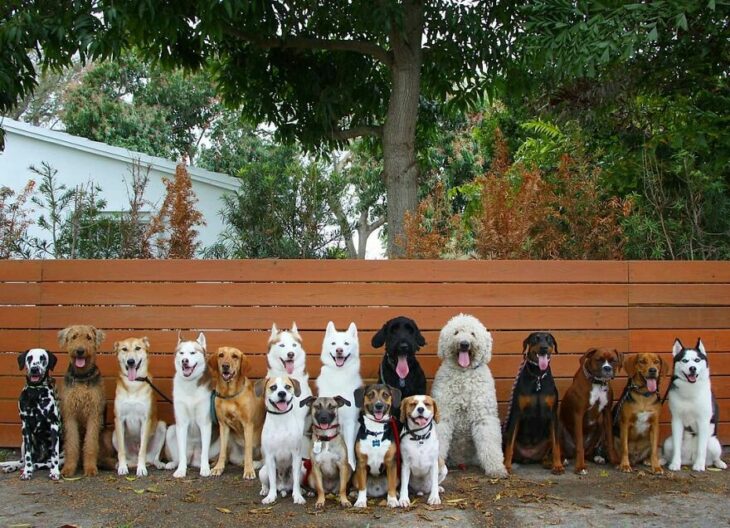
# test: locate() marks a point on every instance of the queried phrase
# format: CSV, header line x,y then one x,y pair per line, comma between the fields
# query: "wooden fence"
x,y
632,306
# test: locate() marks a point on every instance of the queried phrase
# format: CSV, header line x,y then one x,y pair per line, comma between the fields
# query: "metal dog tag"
x,y
317,447
376,443
402,383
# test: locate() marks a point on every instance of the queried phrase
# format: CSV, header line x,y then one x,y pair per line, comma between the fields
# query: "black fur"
x,y
401,337
535,423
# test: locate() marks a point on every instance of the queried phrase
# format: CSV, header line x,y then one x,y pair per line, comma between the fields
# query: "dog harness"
x,y
388,433
626,395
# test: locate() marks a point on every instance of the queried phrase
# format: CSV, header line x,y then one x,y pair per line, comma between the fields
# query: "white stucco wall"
x,y
79,161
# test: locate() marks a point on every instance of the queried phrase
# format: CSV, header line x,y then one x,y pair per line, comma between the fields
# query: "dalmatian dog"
x,y
39,415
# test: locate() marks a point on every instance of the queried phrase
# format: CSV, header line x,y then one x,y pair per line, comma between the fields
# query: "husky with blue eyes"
x,y
694,412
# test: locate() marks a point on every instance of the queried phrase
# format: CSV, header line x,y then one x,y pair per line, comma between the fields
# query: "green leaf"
x,y
682,21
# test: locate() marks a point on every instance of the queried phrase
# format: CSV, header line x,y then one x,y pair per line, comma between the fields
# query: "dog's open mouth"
x,y
289,366
326,426
690,377
35,378
227,375
281,405
651,384
340,360
378,414
421,421
401,367
464,358
543,362
132,371
80,362
188,370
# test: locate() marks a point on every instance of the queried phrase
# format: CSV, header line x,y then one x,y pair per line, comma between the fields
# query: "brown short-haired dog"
x,y
236,407
585,412
82,398
636,416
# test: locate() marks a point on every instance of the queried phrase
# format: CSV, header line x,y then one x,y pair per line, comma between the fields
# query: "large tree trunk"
x,y
399,130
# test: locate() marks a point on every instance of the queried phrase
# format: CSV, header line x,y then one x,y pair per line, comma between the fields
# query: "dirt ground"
x,y
531,497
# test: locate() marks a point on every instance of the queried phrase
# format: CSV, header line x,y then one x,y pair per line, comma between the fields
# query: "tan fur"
x,y
242,414
82,404
634,444
125,389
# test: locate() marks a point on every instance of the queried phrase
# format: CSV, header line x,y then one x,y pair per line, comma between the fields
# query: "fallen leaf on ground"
x,y
223,510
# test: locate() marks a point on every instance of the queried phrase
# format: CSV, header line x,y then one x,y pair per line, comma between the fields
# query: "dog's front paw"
x,y
160,465
319,505
171,465
625,468
657,470
361,503
698,467
68,472
141,470
345,503
269,499
122,470
204,471
216,471
434,499
54,474
404,502
91,471
675,467
180,473
26,474
558,469
720,464
497,473
392,502
249,474
581,470
264,491
298,499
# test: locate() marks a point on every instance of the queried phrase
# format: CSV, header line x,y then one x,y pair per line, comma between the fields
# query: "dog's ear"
x,y
52,360
403,405
294,330
555,343
620,357
352,329
212,361
436,412
21,359
63,336
115,347
359,397
309,400
701,346
630,365
677,347
146,342
663,367
179,337
587,355
202,342
395,397
330,328
525,343
419,337
341,401
245,365
379,338
297,387
259,386
99,336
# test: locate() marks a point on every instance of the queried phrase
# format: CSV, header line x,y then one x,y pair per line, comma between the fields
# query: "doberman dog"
x,y
531,429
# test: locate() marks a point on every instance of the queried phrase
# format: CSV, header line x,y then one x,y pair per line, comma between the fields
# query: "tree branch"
x,y
375,225
355,132
359,46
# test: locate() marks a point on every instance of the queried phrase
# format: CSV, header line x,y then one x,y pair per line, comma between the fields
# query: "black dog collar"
x,y
70,379
595,380
417,437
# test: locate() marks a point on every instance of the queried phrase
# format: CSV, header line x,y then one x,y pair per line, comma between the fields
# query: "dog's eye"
x,y
472,334
75,336
281,345
697,360
294,345
124,349
347,344
138,348
333,343
456,332
685,360
220,355
88,338
273,388
287,387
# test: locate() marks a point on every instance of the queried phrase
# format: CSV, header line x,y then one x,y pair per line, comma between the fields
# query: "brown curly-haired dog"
x,y
82,399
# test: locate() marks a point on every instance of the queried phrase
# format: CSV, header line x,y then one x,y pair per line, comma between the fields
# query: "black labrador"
x,y
399,368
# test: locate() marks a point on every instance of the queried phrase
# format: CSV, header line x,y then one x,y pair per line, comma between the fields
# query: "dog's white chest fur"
x,y
643,422
599,396
374,447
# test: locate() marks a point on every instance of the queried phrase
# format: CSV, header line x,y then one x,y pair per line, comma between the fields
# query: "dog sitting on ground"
x,y
340,376
330,468
637,412
237,408
83,401
464,388
400,368
281,439
40,417
531,429
138,435
191,395
585,412
694,412
376,472
422,468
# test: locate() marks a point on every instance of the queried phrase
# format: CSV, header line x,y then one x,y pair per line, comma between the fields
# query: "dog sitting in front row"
x,y
531,430
39,415
422,470
376,472
281,439
330,465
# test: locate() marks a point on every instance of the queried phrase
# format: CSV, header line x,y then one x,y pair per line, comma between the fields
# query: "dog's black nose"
x,y
543,350
281,394
290,355
185,362
130,362
225,367
607,368
693,369
379,406
80,352
404,347
324,417
653,371
464,345
35,370
420,410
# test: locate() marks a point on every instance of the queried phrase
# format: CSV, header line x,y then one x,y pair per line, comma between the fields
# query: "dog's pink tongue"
x,y
464,359
651,385
289,365
402,367
80,362
131,373
543,361
282,405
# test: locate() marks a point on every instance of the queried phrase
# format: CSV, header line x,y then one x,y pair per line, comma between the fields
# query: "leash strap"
x,y
158,391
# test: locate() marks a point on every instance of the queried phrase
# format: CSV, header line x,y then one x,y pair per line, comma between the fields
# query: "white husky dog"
x,y
287,357
340,376
191,389
694,412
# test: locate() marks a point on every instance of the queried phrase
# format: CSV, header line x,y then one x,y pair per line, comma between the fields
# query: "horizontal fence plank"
x,y
651,271
337,271
339,294
679,294
20,316
20,293
679,317
661,340
20,270
367,318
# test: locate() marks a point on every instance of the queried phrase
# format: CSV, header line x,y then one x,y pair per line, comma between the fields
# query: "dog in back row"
x,y
400,368
694,411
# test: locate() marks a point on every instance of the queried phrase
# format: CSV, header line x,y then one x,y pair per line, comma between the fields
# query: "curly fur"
x,y
469,427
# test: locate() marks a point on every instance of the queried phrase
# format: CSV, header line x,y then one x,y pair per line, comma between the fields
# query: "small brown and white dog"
x,y
138,435
237,408
422,470
281,439
330,465
376,473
